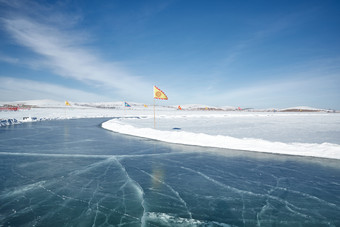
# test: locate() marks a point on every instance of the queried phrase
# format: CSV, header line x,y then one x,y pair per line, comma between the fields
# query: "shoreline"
x,y
324,150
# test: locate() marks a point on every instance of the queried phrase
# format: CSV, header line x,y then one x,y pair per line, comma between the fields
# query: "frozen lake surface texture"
x,y
75,173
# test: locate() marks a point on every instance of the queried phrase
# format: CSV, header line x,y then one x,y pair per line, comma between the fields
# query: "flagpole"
x,y
154,114
157,94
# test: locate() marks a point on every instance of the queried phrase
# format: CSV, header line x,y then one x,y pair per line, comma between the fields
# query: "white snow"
x,y
302,108
303,134
40,103
322,150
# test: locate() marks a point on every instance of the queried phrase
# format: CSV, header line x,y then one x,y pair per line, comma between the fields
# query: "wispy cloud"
x,y
8,59
262,31
300,89
62,52
14,89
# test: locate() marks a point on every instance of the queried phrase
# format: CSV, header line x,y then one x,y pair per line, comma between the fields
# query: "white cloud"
x,y
13,89
8,59
64,55
301,90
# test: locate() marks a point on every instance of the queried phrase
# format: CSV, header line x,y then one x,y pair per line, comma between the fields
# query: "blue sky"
x,y
259,54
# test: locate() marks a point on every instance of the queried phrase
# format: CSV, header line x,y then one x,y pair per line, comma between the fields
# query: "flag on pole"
x,y
127,104
159,94
67,103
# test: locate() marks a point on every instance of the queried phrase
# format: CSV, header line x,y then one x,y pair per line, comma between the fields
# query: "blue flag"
x,y
127,104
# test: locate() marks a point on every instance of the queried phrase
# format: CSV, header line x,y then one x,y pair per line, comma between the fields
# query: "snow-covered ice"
x,y
315,135
304,134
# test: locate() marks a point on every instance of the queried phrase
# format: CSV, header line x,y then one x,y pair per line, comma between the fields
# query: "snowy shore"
x,y
303,134
223,140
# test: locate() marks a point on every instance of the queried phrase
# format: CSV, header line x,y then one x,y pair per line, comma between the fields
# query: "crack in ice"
x,y
95,218
138,188
171,189
288,205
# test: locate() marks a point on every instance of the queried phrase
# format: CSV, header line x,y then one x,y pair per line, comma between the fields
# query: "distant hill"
x,y
35,103
206,107
302,109
46,103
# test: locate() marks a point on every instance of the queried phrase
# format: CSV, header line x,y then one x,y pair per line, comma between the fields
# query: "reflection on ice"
x,y
172,190
102,192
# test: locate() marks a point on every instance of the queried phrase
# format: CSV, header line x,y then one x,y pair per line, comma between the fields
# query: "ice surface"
x,y
74,173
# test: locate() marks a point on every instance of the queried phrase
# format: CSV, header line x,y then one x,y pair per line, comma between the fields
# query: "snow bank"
x,y
7,122
163,219
323,150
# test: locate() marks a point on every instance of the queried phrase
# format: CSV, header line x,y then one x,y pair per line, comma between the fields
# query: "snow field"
x,y
321,150
303,134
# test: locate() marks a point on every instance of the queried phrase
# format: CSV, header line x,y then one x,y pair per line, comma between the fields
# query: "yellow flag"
x,y
159,94
67,103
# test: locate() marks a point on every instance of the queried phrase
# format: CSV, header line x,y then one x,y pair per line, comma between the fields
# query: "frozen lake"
x,y
75,173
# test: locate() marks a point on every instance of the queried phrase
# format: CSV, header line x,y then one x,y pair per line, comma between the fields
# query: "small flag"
x,y
179,107
146,106
67,103
127,104
159,94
